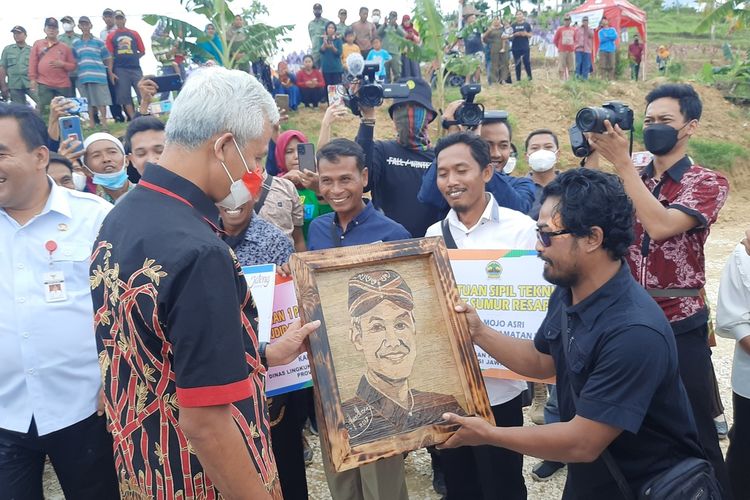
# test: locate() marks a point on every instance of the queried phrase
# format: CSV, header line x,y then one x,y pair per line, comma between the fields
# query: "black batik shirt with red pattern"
x,y
174,327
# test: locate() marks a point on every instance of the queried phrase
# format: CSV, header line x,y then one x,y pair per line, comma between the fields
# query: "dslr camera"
x,y
470,114
592,119
371,92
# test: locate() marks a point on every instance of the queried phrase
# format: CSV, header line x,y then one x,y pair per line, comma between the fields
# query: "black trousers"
x,y
312,97
487,472
331,79
738,454
694,358
286,441
115,109
81,455
522,56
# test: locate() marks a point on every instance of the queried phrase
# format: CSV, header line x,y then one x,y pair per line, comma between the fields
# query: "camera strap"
x,y
447,236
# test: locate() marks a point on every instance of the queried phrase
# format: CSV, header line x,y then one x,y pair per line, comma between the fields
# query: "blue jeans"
x,y
583,65
551,411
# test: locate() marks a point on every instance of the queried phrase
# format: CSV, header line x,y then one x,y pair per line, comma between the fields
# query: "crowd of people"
x,y
129,352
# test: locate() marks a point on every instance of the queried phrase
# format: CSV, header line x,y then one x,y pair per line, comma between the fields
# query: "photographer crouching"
x,y
675,201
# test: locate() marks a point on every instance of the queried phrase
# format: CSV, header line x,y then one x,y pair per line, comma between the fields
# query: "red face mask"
x,y
253,182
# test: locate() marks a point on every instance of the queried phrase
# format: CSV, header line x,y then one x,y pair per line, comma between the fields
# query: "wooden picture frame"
x,y
386,313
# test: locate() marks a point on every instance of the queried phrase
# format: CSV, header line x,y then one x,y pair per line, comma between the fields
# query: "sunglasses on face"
x,y
545,237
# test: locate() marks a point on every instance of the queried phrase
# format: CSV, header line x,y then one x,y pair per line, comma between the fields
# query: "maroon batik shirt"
x,y
679,262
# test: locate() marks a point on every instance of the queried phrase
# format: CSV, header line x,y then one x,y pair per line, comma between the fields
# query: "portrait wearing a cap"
x,y
383,334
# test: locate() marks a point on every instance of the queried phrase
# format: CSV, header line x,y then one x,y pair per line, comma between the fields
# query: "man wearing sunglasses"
x,y
607,342
476,221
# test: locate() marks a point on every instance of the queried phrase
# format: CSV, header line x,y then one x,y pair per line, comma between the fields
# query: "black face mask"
x,y
660,138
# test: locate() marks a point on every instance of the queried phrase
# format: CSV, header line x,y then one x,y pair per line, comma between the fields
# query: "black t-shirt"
x,y
622,360
520,43
473,43
395,176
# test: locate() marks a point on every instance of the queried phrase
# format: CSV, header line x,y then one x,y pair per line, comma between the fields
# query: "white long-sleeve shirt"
x,y
733,315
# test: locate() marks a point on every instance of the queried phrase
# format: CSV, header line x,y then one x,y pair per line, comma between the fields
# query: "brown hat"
x,y
67,19
18,29
470,10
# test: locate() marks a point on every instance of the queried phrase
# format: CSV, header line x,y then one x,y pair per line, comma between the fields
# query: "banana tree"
x,y
735,12
236,43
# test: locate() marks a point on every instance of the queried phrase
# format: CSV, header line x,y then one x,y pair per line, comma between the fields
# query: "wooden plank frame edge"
x,y
333,435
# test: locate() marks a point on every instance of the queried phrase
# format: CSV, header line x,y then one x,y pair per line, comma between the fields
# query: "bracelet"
x,y
262,354
368,121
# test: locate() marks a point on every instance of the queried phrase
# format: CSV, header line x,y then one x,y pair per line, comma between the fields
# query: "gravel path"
x,y
724,236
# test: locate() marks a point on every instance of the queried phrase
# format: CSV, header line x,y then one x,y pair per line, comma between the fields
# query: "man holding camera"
x,y
516,193
675,201
396,167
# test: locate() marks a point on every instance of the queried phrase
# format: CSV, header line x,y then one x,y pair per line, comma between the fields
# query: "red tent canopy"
x,y
620,13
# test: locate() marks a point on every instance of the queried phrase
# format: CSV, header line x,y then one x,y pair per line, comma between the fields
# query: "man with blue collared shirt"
x,y
354,221
343,177
49,374
464,167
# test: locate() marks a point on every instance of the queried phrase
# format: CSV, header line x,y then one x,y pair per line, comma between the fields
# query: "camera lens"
x,y
470,114
371,96
592,119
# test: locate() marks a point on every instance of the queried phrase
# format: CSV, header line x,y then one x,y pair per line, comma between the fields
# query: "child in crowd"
x,y
379,55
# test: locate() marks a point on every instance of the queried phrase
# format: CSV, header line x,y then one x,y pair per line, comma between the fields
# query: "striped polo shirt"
x,y
90,55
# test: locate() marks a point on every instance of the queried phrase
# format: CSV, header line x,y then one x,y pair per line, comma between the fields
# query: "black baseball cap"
x,y
84,19
108,12
51,22
67,19
420,93
18,29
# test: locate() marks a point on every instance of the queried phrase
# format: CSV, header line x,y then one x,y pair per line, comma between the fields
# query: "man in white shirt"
x,y
476,221
49,374
733,321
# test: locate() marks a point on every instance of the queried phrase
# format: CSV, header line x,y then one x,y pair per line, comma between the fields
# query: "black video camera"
x,y
578,142
470,114
592,119
371,93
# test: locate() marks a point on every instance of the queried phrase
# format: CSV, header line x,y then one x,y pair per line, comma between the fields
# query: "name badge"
x,y
54,287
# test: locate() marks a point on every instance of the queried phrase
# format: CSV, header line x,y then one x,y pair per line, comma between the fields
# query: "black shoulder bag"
x,y
264,193
691,478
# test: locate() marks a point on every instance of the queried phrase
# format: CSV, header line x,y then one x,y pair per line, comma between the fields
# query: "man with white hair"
x,y
182,366
104,160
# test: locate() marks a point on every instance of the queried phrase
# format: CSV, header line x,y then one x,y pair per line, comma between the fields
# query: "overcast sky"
x,y
31,15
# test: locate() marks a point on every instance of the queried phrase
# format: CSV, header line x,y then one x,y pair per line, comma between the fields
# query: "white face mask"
x,y
238,192
67,27
510,165
79,181
542,160
376,19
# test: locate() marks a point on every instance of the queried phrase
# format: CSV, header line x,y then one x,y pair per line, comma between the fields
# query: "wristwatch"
x,y
262,354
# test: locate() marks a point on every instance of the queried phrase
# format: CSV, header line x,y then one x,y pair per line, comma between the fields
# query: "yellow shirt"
x,y
348,49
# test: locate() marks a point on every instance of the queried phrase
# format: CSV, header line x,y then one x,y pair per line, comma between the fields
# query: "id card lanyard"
x,y
53,279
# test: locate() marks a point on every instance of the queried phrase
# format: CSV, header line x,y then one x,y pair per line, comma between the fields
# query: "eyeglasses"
x,y
545,237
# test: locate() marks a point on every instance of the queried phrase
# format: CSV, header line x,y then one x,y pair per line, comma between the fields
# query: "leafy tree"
x,y
251,41
734,12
